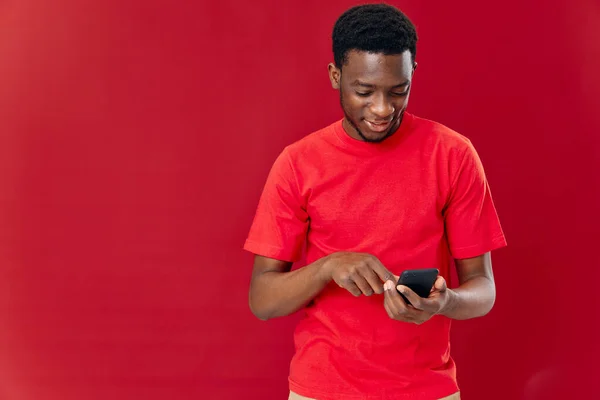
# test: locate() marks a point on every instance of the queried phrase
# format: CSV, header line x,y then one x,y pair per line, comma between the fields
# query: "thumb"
x,y
388,285
440,284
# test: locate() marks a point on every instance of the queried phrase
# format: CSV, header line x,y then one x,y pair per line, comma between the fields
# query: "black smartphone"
x,y
419,281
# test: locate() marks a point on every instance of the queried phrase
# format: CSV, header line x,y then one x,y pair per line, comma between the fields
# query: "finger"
x,y
440,284
373,280
422,305
389,305
362,284
350,286
408,303
386,305
395,303
415,299
382,272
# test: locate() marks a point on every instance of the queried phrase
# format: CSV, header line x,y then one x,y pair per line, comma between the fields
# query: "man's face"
x,y
374,90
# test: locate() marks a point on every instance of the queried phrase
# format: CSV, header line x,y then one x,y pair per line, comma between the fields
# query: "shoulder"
x,y
441,135
313,145
302,156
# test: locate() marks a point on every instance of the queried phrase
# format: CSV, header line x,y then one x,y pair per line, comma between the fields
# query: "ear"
x,y
334,75
414,67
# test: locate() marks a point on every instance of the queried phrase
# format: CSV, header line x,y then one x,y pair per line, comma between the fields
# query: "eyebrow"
x,y
368,85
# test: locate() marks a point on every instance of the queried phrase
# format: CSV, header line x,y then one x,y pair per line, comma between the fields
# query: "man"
x,y
370,196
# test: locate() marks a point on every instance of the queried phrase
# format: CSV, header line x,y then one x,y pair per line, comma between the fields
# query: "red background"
x,y
134,143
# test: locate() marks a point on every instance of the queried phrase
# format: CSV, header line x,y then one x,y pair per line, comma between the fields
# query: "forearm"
x,y
474,298
276,294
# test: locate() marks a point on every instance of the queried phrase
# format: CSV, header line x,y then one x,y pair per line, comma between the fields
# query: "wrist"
x,y
324,270
451,303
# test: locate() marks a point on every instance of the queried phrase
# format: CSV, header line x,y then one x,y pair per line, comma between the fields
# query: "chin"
x,y
371,136
375,137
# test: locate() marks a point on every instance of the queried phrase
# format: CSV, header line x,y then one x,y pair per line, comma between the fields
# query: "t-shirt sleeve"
x,y
281,221
472,224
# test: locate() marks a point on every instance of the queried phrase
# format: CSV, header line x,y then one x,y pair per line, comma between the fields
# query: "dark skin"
x,y
374,91
276,292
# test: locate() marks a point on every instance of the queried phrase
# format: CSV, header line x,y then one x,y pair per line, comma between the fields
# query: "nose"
x,y
381,107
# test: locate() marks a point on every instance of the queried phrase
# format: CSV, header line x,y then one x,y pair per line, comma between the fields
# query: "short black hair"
x,y
374,28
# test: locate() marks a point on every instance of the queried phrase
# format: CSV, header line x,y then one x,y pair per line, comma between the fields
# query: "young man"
x,y
372,195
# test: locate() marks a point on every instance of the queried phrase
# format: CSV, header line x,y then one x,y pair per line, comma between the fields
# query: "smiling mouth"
x,y
378,126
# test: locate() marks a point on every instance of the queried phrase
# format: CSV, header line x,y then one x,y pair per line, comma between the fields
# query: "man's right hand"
x,y
358,273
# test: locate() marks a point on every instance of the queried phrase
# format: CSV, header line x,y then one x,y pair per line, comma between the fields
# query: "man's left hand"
x,y
421,309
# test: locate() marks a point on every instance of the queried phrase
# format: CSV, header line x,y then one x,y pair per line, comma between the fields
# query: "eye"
x,y
363,94
400,94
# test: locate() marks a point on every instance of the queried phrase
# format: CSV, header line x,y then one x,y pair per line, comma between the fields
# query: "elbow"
x,y
485,311
258,306
492,299
489,304
488,299
259,312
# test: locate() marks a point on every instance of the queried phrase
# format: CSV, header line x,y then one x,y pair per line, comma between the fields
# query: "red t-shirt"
x,y
415,200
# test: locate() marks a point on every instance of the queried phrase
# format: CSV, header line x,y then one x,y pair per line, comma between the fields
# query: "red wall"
x,y
134,142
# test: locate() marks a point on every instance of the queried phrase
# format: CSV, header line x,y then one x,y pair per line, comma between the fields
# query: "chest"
x,y
391,200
